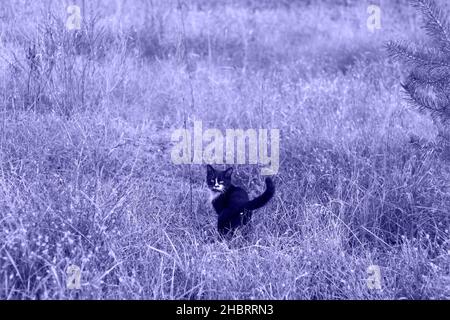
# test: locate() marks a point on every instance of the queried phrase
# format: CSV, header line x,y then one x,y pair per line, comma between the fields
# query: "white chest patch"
x,y
213,195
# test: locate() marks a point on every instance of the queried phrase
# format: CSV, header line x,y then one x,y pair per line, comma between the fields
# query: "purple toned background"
x,y
87,186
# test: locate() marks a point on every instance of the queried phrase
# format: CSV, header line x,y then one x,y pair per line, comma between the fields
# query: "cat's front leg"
x,y
225,224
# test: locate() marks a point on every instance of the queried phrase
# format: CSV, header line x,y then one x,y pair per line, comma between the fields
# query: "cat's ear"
x,y
210,169
228,173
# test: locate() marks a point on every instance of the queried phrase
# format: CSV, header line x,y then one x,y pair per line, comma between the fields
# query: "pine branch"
x,y
436,23
420,97
434,76
428,84
410,54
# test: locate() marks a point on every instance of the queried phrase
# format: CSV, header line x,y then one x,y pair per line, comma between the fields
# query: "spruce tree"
x,y
427,84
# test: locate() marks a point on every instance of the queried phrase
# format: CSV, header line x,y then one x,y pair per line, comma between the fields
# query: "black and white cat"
x,y
231,203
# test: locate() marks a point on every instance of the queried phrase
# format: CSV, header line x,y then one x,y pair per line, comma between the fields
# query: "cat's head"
x,y
217,180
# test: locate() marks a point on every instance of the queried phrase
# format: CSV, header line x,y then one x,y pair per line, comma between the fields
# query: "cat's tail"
x,y
262,200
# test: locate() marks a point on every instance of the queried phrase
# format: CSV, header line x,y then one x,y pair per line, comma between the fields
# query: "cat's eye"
x,y
220,181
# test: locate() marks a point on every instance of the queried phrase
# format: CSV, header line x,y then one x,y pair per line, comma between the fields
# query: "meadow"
x,y
86,177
